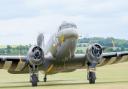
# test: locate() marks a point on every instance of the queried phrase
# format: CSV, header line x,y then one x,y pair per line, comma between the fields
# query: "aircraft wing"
x,y
20,64
13,63
113,58
106,59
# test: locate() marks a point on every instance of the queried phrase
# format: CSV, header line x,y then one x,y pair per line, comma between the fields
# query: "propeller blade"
x,y
40,39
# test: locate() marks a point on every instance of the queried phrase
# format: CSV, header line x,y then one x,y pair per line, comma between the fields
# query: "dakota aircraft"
x,y
59,56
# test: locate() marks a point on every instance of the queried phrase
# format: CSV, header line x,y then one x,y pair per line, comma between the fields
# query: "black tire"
x,y
34,80
92,77
45,79
92,81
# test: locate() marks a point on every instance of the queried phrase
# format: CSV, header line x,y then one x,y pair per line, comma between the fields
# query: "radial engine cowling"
x,y
35,55
94,53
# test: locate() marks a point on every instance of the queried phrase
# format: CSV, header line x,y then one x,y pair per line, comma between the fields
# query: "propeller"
x,y
94,53
40,40
36,53
96,50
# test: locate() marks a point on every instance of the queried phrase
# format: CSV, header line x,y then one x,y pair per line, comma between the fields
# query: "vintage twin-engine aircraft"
x,y
59,56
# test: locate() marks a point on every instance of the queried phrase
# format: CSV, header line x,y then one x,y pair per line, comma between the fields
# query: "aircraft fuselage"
x,y
62,44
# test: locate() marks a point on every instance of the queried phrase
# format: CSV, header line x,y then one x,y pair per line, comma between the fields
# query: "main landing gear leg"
x,y
45,78
91,75
33,70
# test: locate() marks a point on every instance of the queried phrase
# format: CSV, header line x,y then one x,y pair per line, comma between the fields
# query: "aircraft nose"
x,y
67,34
71,33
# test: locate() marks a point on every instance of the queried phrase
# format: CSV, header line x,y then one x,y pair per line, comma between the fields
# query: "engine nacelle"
x,y
36,55
94,53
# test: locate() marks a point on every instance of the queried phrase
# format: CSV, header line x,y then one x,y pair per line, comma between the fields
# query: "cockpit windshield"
x,y
66,25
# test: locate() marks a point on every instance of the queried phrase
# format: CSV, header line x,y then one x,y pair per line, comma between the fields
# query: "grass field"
x,y
108,77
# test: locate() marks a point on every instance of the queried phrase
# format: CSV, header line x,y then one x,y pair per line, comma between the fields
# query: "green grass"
x,y
108,77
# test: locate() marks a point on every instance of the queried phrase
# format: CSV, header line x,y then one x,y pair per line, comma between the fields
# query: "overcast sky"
x,y
22,20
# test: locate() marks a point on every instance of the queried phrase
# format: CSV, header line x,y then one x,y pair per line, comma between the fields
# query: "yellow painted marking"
x,y
62,39
123,59
7,65
20,59
20,66
101,62
111,60
49,69
113,43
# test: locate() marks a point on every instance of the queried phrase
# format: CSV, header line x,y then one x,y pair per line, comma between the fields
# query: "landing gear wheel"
x,y
33,70
34,80
92,77
45,78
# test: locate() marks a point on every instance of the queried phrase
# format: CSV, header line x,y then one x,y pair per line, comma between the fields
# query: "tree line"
x,y
14,50
110,43
105,41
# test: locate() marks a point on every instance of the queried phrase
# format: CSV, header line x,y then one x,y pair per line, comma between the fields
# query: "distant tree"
x,y
9,49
